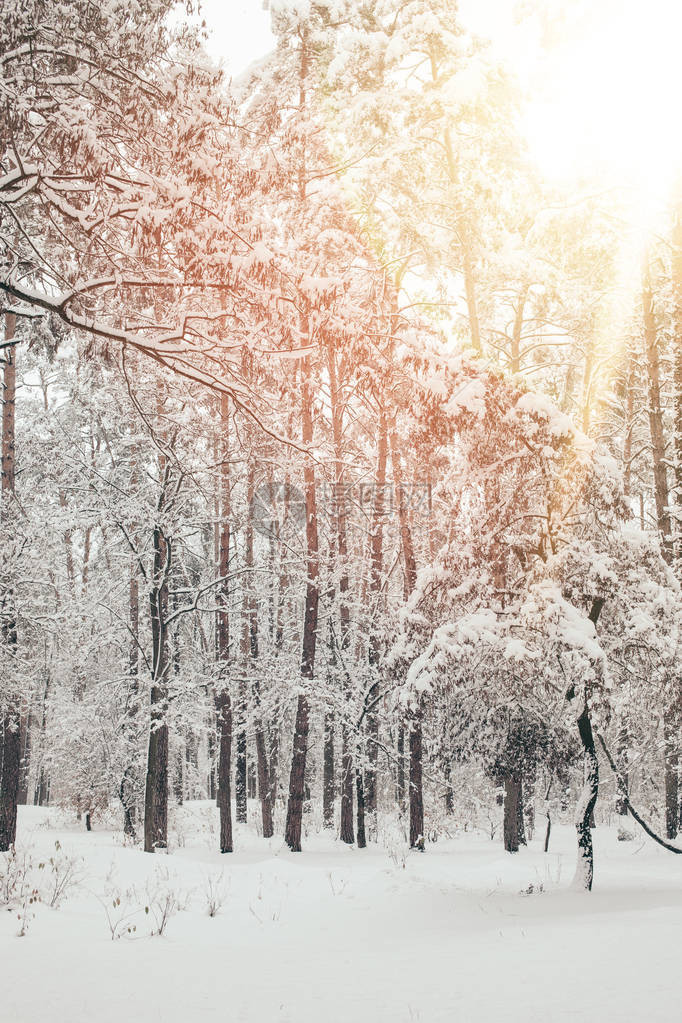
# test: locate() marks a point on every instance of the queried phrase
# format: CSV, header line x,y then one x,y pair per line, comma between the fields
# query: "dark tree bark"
x,y
449,792
374,651
360,793
223,702
156,789
414,717
671,746
400,768
240,760
302,724
521,811
10,729
297,776
416,796
347,774
41,795
249,650
328,780
128,787
294,822
621,796
25,729
588,797
512,794
264,786
224,720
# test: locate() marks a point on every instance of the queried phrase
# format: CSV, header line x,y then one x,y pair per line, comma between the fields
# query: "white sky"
x,y
602,104
240,32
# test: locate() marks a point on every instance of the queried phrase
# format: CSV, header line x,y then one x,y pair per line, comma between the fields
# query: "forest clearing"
x,y
332,935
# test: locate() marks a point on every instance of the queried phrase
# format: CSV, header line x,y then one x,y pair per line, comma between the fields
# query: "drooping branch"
x,y
626,799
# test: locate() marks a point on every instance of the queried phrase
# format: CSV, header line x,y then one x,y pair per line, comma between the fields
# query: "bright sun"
x,y
607,105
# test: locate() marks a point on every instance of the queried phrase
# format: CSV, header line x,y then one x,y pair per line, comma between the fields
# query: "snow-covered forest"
x,y
340,527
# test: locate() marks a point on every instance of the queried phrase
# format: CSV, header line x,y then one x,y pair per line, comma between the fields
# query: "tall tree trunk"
x,y
25,751
512,793
347,834
400,768
671,731
264,785
416,791
223,702
521,811
128,787
658,446
588,797
294,822
41,794
348,754
10,734
302,724
240,759
156,789
249,650
374,648
414,718
328,780
360,793
662,500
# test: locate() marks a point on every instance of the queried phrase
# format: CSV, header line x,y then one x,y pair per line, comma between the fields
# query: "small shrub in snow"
x,y
16,867
215,893
395,844
120,908
163,900
534,888
625,836
62,873
161,907
26,912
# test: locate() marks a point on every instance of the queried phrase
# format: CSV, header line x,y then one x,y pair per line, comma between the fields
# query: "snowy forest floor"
x,y
336,933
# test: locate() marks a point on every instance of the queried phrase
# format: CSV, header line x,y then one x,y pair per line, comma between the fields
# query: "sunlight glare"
x,y
609,109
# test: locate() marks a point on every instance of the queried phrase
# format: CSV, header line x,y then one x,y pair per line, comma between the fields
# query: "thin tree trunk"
x,y
520,811
264,786
128,787
374,648
414,717
400,768
328,780
240,759
347,774
302,724
662,500
25,748
658,447
156,789
512,791
588,797
223,704
671,741
223,796
10,733
360,793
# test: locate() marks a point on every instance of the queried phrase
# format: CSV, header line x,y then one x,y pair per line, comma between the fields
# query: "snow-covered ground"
x,y
336,934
